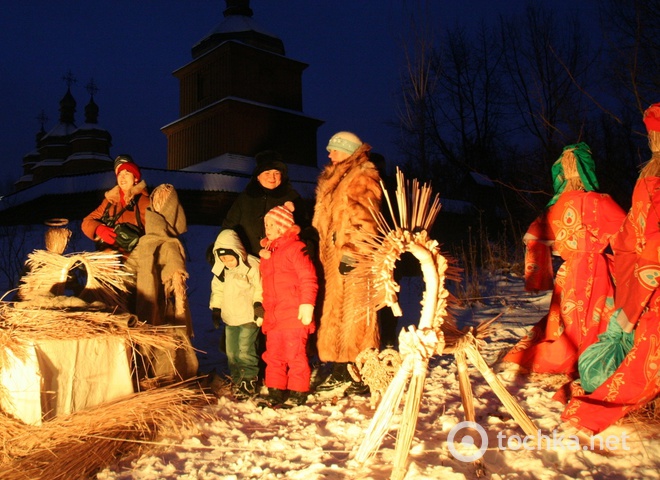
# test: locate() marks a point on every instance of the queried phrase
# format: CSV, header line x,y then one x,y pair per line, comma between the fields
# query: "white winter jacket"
x,y
241,287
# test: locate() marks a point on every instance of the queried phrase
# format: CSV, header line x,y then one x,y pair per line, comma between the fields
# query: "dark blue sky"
x,y
130,48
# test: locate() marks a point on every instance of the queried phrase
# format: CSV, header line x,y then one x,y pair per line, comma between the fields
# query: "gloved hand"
x,y
346,264
216,316
106,234
258,313
310,237
306,313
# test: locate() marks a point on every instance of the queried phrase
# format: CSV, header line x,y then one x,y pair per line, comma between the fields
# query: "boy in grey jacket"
x,y
236,297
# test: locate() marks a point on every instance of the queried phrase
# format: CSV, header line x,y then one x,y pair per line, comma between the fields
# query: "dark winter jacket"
x,y
246,215
289,280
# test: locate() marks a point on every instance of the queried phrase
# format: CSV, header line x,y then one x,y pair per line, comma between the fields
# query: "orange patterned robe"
x,y
577,227
636,270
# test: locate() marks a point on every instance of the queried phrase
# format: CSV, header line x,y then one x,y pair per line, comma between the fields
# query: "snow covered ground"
x,y
320,440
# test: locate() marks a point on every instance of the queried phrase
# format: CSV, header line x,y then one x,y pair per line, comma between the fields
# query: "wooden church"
x,y
239,95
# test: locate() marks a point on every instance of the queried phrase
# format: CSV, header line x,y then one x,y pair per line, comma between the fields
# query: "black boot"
x,y
296,398
338,378
246,389
357,388
275,397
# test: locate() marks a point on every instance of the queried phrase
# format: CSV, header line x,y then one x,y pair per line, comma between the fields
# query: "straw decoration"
x,y
48,273
436,333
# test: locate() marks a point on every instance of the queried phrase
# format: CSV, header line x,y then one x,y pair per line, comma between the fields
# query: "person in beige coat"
x,y
348,189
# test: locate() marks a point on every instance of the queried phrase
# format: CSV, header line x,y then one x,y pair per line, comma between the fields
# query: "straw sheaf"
x,y
80,444
57,239
571,173
652,167
48,274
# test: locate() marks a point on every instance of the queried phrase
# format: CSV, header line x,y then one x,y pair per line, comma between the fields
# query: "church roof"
x,y
239,25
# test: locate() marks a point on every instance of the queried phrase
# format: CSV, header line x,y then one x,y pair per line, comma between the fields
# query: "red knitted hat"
x,y
282,215
652,118
125,162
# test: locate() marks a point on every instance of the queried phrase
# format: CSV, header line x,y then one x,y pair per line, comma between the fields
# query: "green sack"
x,y
601,359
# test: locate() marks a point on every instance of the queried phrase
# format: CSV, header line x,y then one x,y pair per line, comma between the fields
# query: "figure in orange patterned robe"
x,y
636,270
576,225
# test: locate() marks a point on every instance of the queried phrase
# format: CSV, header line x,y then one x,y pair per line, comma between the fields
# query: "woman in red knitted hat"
x,y
125,203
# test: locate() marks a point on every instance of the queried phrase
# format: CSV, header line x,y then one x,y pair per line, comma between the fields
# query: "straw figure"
x,y
159,264
620,372
577,225
435,333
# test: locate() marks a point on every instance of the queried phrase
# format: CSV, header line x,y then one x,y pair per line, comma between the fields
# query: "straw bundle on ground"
x,y
78,445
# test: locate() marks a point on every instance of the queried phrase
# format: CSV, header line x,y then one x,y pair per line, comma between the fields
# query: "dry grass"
x,y
80,444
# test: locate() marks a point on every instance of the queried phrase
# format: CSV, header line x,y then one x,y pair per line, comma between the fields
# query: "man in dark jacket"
x,y
268,188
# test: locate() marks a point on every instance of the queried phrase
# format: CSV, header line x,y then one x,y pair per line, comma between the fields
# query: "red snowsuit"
x,y
289,280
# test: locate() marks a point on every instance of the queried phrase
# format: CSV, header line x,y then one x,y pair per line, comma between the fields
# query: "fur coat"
x,y
345,193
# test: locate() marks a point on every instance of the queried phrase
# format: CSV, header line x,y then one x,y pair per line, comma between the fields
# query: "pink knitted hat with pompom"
x,y
282,215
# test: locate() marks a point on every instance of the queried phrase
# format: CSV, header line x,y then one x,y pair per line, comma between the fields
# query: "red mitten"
x,y
106,234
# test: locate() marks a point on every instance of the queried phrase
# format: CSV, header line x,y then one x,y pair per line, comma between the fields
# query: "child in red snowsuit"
x,y
289,295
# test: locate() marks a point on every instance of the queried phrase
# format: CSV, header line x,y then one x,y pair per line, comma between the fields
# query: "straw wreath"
x,y
436,332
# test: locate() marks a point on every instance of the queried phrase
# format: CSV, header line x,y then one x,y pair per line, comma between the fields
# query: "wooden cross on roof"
x,y
69,79
91,87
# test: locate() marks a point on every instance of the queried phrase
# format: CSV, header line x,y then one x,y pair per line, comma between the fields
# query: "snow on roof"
x,y
482,179
240,100
458,207
89,156
91,126
235,24
241,165
182,180
61,130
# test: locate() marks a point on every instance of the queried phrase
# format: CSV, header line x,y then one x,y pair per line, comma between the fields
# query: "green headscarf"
x,y
585,167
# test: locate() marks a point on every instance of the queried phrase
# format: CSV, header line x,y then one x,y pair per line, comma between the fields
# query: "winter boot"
x,y
338,378
246,389
357,388
275,398
296,398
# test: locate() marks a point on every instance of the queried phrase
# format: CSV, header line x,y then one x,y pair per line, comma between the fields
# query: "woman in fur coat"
x,y
347,190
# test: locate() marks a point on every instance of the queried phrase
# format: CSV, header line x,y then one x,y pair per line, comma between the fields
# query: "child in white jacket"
x,y
236,297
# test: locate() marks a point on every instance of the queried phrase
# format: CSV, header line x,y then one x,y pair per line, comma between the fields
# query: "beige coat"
x,y
344,196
